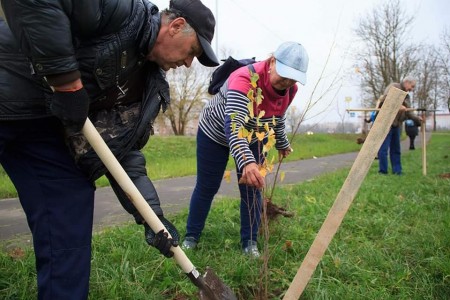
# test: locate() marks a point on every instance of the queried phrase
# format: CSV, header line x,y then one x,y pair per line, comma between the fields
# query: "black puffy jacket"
x,y
22,94
104,40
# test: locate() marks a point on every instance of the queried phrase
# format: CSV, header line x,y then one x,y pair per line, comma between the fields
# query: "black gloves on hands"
x,y
71,108
161,241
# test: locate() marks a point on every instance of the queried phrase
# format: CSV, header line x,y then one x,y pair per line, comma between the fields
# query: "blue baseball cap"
x,y
292,61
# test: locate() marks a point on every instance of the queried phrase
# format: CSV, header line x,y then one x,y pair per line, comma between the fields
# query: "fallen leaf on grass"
x,y
287,245
227,176
16,253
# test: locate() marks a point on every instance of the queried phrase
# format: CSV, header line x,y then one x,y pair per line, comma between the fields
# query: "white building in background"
x,y
442,121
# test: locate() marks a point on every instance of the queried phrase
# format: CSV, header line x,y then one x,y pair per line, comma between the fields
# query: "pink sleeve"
x,y
239,80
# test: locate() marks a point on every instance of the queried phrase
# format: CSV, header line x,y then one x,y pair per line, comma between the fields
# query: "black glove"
x,y
161,241
71,108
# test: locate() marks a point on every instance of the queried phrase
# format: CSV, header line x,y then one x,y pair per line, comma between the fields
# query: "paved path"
x,y
174,194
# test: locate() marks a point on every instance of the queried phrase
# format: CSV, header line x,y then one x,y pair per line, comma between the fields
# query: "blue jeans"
x,y
391,144
212,160
58,201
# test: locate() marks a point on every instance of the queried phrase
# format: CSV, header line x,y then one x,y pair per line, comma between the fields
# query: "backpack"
x,y
409,123
220,75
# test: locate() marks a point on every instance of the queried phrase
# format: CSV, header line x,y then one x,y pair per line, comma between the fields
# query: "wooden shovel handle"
x,y
358,172
122,178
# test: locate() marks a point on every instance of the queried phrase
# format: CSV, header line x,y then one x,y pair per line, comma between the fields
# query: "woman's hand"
x,y
251,176
283,153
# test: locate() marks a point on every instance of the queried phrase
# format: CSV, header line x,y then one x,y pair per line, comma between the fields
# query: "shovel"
x,y
210,286
358,172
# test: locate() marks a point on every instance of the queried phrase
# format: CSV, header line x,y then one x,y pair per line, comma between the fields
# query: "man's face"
x,y
409,86
177,49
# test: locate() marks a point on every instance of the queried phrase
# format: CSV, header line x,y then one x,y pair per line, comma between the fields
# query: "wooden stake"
x,y
358,172
424,144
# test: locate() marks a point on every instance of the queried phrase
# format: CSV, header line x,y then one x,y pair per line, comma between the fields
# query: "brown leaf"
x,y
287,245
16,253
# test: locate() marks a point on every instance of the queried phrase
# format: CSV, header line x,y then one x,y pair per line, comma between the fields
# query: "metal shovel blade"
x,y
213,288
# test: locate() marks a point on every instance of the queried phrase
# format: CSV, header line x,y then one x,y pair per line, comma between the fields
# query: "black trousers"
x,y
58,201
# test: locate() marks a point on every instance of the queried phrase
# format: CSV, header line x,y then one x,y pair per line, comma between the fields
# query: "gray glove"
x,y
161,240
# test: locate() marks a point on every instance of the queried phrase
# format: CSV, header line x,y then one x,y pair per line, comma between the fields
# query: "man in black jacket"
x,y
64,60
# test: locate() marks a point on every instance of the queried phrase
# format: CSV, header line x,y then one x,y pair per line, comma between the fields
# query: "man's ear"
x,y
176,25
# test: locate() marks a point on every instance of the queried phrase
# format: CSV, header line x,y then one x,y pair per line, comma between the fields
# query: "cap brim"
x,y
291,73
208,58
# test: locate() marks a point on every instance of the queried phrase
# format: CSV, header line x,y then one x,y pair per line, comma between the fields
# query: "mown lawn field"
x,y
394,243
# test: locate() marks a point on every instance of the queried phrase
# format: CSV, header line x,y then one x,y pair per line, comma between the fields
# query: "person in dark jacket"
x,y
412,130
60,62
391,144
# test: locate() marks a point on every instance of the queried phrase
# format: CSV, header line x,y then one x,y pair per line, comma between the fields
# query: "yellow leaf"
x,y
250,96
232,116
273,121
250,110
271,140
259,96
242,133
233,127
249,137
261,114
266,126
263,172
254,79
246,118
311,199
260,135
227,176
282,175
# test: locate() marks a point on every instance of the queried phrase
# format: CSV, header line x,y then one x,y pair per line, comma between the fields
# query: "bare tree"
x,y
427,78
428,81
385,56
188,91
444,67
293,117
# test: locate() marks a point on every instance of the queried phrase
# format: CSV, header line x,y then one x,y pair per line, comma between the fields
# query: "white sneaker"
x,y
189,243
251,249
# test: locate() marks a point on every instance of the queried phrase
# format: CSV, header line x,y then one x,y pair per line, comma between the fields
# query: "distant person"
x,y
60,62
412,130
391,144
216,138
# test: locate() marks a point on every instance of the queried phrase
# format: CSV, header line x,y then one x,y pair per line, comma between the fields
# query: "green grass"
x,y
393,244
173,156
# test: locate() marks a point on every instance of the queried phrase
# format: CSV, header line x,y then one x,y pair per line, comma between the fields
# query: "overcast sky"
x,y
256,28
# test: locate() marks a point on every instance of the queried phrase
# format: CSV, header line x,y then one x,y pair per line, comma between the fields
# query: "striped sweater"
x,y
231,100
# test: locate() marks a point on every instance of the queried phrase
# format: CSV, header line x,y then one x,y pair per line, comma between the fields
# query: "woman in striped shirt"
x,y
232,112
